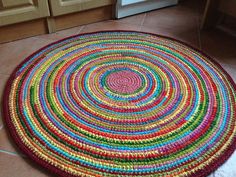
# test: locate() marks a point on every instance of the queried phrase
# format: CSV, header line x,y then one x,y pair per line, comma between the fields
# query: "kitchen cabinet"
x,y
15,11
70,13
24,18
61,7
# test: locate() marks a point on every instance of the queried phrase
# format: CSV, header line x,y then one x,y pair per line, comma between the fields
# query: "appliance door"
x,y
130,7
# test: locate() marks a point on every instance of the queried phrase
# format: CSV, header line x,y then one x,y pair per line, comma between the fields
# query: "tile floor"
x,y
181,22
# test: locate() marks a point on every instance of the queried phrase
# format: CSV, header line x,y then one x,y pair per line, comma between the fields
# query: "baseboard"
x,y
53,24
23,30
82,18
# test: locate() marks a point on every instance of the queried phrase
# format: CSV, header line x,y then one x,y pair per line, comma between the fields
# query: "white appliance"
x,y
130,7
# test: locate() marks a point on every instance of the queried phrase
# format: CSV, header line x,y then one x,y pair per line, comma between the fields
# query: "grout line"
x,y
82,27
142,22
126,23
140,28
11,153
199,37
226,30
198,28
1,127
5,74
144,18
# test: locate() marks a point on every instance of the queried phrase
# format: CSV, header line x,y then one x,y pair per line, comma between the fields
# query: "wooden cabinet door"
x,y
14,11
60,7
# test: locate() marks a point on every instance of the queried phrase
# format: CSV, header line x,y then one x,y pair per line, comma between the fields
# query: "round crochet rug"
x,y
122,103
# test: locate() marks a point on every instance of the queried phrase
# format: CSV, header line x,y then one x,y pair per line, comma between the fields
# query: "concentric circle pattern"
x,y
122,104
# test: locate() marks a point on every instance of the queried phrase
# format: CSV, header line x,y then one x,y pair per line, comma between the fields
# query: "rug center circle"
x,y
124,82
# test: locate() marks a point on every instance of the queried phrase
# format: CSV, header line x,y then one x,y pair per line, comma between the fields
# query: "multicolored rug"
x,y
122,103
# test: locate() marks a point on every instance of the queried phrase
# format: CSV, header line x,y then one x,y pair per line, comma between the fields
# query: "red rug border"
x,y
54,170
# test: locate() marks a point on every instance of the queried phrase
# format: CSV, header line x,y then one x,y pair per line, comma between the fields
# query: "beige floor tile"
x,y
134,20
15,166
219,45
109,25
188,36
6,142
231,69
173,17
12,53
3,79
180,22
62,34
197,5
